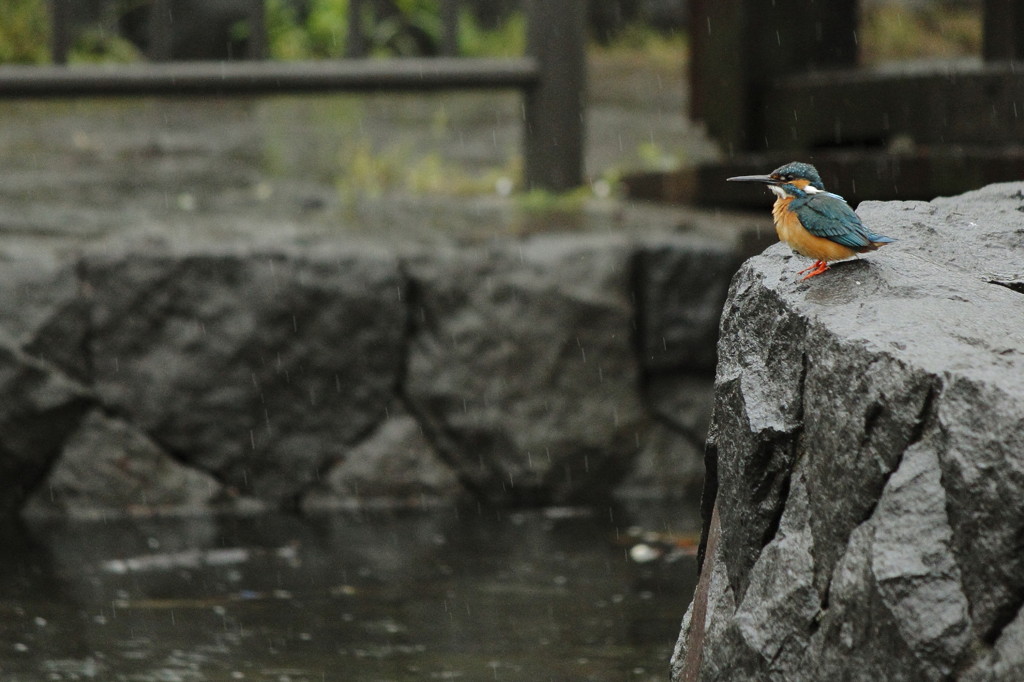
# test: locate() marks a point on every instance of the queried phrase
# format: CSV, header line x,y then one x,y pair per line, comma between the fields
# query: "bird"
x,y
816,223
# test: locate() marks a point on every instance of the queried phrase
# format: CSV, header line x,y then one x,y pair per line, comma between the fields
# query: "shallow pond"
x,y
453,594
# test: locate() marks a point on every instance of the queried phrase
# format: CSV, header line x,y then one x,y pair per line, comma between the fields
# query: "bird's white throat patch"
x,y
777,191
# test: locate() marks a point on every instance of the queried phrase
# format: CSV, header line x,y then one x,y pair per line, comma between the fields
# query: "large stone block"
x,y
883,403
108,468
259,368
522,366
395,465
39,408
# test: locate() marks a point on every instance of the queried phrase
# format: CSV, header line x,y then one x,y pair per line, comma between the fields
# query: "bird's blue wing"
x,y
826,215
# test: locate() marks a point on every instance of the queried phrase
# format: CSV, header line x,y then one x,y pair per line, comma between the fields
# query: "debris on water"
x,y
646,546
643,553
192,558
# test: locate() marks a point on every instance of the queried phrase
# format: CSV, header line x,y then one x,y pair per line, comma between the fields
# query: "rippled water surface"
x,y
467,595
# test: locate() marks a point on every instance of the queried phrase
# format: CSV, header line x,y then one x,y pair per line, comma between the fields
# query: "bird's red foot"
x,y
817,268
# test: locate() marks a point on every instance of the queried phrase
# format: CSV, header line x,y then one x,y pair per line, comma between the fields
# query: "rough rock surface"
x,y
332,374
107,468
255,367
522,366
866,459
39,408
394,463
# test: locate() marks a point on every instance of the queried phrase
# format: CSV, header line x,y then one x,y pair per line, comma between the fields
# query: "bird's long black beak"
x,y
766,179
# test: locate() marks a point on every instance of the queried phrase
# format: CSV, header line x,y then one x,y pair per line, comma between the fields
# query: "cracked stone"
x,y
256,367
522,367
892,387
107,467
393,465
39,408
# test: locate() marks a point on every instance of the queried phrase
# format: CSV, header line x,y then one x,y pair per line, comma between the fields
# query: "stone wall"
x,y
550,370
866,459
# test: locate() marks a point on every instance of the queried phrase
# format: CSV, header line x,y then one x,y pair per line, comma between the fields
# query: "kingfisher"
x,y
815,223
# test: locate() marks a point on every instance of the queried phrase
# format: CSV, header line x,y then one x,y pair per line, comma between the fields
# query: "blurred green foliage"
x,y
322,30
24,32
936,29
887,31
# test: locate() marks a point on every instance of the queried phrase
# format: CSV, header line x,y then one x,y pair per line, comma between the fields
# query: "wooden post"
x,y
739,48
355,41
555,107
257,47
1003,28
450,28
160,30
60,27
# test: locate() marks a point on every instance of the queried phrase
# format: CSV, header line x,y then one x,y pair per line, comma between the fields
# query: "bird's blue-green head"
x,y
793,179
797,170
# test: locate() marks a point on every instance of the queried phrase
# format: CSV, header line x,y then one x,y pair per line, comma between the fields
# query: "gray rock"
x,y
39,407
522,367
886,397
1005,659
896,601
681,284
669,465
272,368
683,401
258,368
42,307
107,467
393,465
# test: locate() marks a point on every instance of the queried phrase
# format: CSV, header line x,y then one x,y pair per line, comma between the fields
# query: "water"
x,y
447,595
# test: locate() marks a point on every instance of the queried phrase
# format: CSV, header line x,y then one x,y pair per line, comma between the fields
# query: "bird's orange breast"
x,y
791,230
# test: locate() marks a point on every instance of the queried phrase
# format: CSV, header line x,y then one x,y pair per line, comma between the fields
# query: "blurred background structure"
x,y
775,78
912,99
